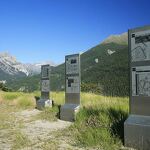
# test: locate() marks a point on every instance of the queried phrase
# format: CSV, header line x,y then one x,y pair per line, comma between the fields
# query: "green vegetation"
x,y
100,127
99,123
25,84
110,75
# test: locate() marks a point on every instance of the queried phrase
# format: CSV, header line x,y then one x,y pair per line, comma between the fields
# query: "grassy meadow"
x,y
98,125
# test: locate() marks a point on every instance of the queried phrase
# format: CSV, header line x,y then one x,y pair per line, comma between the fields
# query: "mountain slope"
x,y
10,66
109,76
104,68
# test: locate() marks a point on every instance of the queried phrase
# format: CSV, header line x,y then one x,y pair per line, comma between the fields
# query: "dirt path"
x,y
23,131
40,131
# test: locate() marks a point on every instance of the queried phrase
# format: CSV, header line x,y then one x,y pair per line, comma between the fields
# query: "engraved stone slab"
x,y
45,88
137,126
73,84
140,44
72,93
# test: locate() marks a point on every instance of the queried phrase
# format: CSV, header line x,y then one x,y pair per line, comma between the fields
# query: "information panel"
x,y
45,81
45,87
141,81
72,64
137,126
73,83
72,79
45,71
140,46
139,54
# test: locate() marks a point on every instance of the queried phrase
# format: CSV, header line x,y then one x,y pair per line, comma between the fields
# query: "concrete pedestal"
x,y
137,132
68,112
42,103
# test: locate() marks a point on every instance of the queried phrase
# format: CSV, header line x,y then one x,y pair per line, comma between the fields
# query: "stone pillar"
x,y
72,90
137,126
45,88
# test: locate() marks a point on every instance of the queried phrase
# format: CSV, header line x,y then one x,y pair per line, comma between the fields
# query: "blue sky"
x,y
39,30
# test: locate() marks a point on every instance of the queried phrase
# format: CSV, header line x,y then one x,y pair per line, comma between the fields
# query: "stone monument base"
x,y
137,132
68,112
42,103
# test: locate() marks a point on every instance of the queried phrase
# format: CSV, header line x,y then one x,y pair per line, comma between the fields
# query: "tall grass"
x,y
18,99
25,100
99,123
10,96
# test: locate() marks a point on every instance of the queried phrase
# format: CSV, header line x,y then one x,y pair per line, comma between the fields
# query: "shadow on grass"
x,y
118,118
58,112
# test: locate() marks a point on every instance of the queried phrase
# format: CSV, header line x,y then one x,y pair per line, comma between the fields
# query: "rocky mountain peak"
x,y
11,66
119,39
8,57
